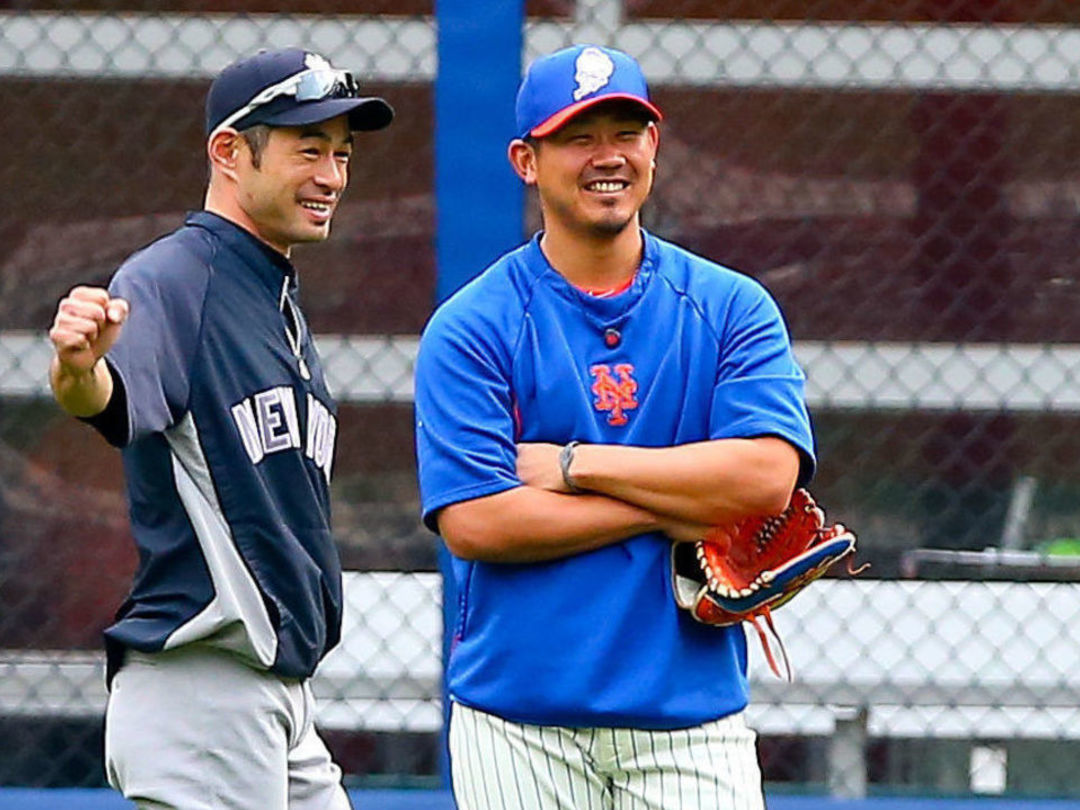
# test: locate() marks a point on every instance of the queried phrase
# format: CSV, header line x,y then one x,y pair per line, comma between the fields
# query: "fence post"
x,y
479,200
847,753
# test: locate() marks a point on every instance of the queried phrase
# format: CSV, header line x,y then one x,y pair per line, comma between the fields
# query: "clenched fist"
x,y
88,322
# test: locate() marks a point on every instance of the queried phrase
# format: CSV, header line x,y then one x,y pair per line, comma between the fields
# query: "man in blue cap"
x,y
590,398
198,363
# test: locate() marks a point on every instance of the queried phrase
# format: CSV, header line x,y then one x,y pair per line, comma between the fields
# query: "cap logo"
x,y
593,69
312,61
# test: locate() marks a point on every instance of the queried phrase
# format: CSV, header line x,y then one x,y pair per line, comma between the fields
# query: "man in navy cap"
x,y
590,398
198,363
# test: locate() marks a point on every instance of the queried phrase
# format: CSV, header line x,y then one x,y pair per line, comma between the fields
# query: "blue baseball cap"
x,y
561,85
289,87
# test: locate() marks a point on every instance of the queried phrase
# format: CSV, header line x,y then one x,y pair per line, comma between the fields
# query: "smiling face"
x,y
594,173
288,190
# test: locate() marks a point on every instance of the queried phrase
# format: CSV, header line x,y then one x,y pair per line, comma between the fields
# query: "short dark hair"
x,y
257,137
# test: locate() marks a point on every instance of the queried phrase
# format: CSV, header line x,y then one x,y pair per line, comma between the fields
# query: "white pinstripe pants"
x,y
500,765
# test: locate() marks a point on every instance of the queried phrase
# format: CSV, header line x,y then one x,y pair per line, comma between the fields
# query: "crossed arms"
x,y
679,491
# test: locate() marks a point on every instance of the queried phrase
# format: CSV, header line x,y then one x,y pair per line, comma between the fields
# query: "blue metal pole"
x,y
479,200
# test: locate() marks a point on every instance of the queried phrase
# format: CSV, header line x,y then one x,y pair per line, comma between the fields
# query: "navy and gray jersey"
x,y
228,433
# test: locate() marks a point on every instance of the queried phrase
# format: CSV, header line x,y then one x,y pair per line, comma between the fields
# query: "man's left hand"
x,y
538,466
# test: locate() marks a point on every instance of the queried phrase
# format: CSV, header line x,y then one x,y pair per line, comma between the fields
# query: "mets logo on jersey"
x,y
615,390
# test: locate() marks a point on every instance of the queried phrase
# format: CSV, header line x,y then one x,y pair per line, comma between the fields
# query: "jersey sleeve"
x,y
759,386
165,288
465,443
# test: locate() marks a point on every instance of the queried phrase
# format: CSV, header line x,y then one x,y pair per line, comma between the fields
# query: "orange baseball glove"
x,y
742,571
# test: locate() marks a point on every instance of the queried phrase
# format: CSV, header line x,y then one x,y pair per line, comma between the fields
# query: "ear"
x,y
522,158
223,151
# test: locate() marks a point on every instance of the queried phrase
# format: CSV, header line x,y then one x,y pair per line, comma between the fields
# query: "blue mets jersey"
x,y
691,351
228,438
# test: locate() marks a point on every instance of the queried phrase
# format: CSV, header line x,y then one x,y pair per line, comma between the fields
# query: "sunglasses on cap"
x,y
315,84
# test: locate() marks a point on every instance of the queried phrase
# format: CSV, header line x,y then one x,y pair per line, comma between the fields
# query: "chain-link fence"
x,y
901,175
103,141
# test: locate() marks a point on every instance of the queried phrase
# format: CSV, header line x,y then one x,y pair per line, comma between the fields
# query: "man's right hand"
x,y
683,531
88,322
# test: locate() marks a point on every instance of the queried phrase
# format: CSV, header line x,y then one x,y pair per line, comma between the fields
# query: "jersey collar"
x,y
600,309
270,266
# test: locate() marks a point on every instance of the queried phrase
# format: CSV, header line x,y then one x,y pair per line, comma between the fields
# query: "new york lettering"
x,y
268,422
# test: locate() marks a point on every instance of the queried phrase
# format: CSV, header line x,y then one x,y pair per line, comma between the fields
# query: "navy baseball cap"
x,y
563,84
289,87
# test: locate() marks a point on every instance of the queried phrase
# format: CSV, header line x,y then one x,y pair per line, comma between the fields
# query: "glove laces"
x,y
766,614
